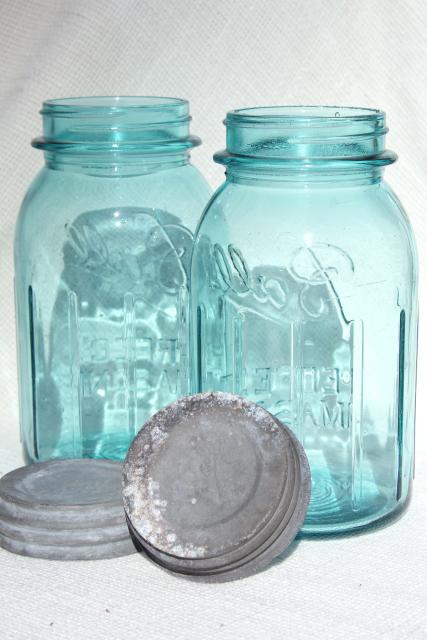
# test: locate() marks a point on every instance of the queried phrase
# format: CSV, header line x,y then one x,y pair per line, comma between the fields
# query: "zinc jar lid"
x,y
64,510
215,487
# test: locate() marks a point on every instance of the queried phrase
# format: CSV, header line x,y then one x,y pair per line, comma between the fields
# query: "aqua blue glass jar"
x,y
304,299
102,252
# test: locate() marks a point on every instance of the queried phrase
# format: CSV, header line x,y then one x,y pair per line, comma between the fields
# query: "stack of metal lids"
x,y
64,510
215,487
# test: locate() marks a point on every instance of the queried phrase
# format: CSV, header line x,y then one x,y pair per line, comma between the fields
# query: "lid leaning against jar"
x,y
215,487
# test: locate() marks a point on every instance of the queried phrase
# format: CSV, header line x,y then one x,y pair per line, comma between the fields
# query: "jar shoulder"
x,y
240,197
374,210
365,226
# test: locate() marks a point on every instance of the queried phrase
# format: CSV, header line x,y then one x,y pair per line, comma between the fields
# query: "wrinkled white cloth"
x,y
219,55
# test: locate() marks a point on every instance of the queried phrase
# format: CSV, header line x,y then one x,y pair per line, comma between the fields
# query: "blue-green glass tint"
x,y
304,299
102,254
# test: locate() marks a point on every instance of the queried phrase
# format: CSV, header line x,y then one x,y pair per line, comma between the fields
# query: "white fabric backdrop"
x,y
219,55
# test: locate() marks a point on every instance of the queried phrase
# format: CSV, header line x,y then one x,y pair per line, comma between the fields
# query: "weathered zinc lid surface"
x,y
64,510
214,486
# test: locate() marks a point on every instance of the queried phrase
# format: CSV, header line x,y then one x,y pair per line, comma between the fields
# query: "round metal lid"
x,y
64,509
214,486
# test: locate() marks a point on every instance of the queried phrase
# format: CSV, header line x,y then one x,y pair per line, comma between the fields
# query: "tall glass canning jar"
x,y
304,299
102,250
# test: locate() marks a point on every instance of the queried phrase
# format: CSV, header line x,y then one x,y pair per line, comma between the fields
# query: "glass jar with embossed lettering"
x,y
304,299
102,252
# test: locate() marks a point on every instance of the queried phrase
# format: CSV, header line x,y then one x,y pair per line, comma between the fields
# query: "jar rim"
x,y
110,104
305,115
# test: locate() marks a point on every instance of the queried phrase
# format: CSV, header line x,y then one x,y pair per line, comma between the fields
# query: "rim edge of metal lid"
x,y
69,537
112,549
60,519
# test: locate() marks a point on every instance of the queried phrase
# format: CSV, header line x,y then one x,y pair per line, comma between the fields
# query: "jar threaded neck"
x,y
141,124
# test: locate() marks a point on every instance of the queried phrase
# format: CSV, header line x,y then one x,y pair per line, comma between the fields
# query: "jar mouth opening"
x,y
111,104
303,115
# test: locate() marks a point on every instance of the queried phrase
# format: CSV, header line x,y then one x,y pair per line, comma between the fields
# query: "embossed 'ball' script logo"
x,y
310,271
